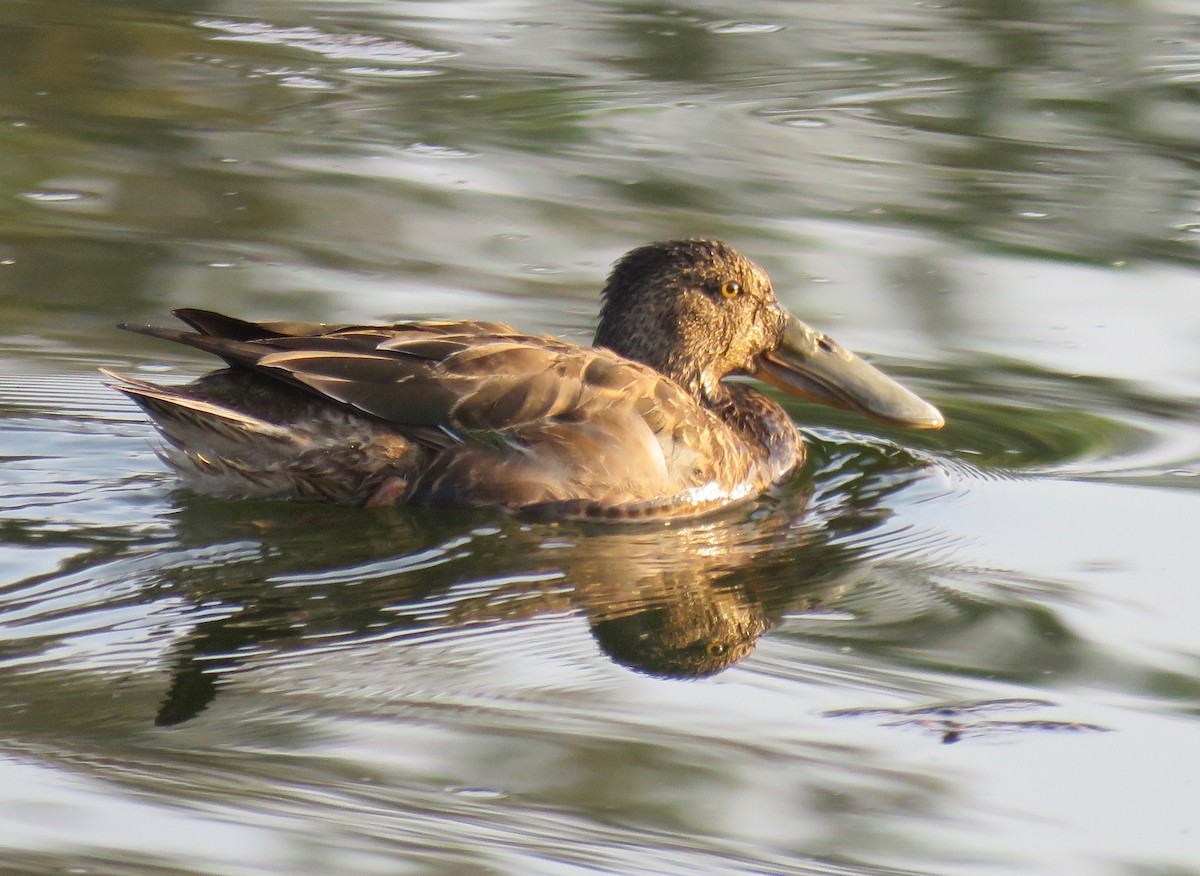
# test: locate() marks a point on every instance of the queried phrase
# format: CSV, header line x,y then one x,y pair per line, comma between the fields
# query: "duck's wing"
x,y
465,375
208,322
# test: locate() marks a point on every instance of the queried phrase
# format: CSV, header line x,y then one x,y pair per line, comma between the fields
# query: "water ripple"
x,y
338,47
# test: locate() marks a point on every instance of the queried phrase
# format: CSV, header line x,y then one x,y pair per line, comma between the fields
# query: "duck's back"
x,y
455,413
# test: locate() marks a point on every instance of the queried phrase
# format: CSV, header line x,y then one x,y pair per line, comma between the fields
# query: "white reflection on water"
x,y
338,47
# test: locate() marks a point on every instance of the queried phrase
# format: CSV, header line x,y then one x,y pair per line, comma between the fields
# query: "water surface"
x,y
970,651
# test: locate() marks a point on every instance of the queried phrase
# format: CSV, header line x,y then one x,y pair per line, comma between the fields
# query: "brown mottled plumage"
x,y
478,414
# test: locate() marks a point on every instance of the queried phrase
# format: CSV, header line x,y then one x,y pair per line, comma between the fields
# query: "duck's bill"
x,y
810,365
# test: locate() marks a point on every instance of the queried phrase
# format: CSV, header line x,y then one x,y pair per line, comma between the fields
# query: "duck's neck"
x,y
664,350
764,425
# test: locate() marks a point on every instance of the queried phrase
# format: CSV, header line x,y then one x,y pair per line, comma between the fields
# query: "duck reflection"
x,y
682,601
696,635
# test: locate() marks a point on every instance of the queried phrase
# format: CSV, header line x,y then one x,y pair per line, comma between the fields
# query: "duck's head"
x,y
698,311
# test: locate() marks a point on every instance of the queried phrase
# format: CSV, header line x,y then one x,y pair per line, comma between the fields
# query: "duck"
x,y
650,422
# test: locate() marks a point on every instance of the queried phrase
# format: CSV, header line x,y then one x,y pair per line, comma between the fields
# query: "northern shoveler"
x,y
641,425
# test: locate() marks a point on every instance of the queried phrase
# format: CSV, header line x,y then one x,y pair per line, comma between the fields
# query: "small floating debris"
x,y
953,723
53,196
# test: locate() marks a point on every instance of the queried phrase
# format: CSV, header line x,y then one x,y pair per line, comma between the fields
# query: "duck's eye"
x,y
731,288
716,649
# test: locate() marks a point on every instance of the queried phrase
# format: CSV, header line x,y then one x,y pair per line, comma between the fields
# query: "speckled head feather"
x,y
694,310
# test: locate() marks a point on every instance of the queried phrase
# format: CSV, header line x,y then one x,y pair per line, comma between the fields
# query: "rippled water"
x,y
998,202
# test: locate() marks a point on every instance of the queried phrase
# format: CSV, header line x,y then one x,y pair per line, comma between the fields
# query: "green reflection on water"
x,y
1034,148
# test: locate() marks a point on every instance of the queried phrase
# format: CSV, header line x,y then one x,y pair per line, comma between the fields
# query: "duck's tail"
x,y
175,412
227,441
218,449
